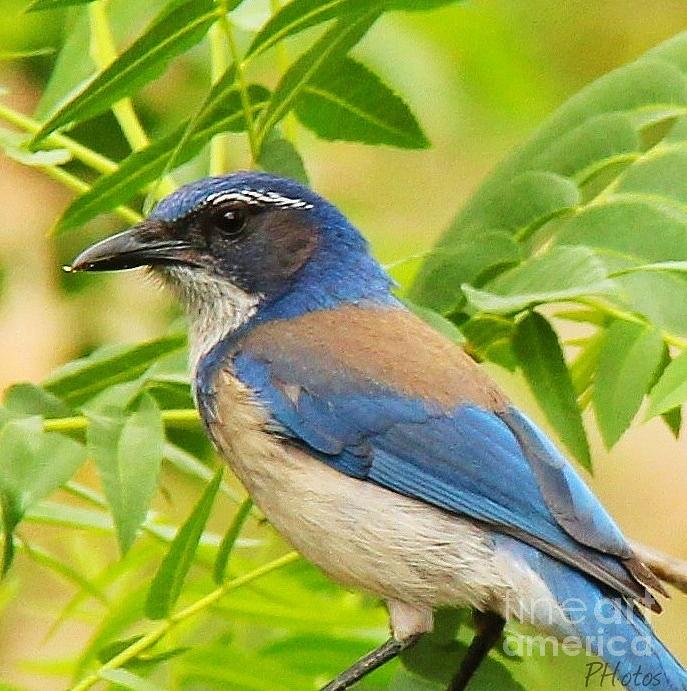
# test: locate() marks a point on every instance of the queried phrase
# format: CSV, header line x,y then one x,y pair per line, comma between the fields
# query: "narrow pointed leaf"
x,y
32,465
222,112
85,378
630,356
168,36
345,100
297,16
671,389
168,580
334,45
539,353
280,156
229,540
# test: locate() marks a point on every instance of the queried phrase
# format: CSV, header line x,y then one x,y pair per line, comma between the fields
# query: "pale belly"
x,y
362,535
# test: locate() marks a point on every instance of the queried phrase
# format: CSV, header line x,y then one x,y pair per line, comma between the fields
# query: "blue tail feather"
x,y
609,626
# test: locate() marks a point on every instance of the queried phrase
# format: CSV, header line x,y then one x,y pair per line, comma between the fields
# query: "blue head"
x,y
266,240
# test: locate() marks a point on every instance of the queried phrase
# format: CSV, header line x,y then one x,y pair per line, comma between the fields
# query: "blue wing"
x,y
492,465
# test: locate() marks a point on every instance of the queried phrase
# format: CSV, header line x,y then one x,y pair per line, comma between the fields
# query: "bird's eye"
x,y
229,222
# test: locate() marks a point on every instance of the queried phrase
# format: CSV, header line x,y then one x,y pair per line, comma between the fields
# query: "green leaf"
x,y
167,583
345,33
280,156
128,452
32,465
437,322
146,58
297,16
489,338
673,418
622,140
671,389
221,112
563,273
537,348
29,399
345,100
629,358
83,379
229,540
40,5
468,262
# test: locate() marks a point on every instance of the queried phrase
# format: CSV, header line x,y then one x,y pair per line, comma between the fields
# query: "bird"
x,y
375,445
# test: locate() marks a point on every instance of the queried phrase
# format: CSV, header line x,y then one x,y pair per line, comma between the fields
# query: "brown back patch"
x,y
391,347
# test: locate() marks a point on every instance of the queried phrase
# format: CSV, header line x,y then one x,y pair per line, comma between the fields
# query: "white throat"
x,y
215,307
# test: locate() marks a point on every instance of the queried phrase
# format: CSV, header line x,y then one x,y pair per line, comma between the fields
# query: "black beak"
x,y
147,244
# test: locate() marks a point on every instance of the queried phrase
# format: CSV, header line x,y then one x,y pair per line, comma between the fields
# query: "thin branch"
x,y
174,417
668,569
619,313
161,630
91,158
243,89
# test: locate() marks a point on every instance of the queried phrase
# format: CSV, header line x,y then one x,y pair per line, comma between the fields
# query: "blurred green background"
x,y
480,77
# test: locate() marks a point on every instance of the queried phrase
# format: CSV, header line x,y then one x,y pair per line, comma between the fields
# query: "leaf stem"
x,y
157,633
104,52
243,89
219,63
619,313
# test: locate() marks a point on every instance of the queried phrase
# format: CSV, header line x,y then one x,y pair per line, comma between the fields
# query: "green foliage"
x,y
347,101
594,203
539,353
168,581
168,36
585,223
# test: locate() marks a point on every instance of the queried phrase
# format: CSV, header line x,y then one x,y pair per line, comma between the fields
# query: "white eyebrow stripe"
x,y
259,198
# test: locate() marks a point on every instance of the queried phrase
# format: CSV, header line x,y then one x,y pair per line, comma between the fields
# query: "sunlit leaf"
x,y
563,273
539,353
630,356
671,389
222,112
128,453
83,379
29,399
169,579
345,33
145,59
229,540
32,465
622,140
345,100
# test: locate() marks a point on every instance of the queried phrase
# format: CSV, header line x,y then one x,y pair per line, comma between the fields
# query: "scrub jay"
x,y
373,444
